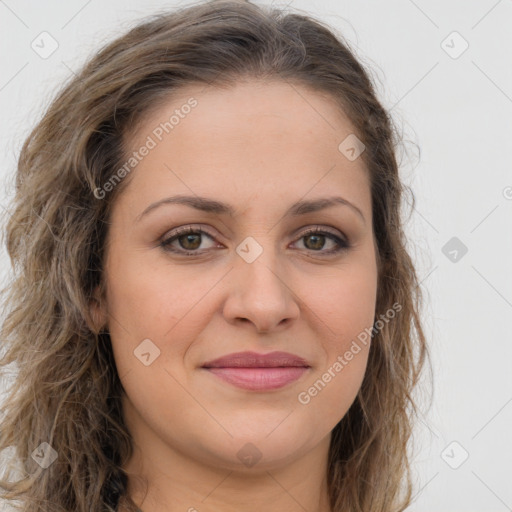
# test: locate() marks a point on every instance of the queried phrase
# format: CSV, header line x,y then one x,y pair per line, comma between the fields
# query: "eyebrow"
x,y
208,205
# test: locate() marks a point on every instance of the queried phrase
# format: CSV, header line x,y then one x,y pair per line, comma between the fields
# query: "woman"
x,y
213,307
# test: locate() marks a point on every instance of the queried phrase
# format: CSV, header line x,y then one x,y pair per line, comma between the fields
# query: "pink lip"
x,y
258,372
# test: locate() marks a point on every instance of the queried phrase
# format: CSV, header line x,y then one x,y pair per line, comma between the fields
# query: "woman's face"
x,y
255,162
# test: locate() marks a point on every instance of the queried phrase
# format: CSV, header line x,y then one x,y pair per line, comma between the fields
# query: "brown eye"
x,y
185,241
315,240
190,242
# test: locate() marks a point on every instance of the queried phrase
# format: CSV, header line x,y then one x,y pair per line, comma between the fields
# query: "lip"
x,y
258,372
255,360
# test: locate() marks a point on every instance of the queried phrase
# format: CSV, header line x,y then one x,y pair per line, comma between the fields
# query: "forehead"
x,y
273,137
238,102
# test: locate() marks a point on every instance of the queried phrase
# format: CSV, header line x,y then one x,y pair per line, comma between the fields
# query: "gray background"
x,y
457,108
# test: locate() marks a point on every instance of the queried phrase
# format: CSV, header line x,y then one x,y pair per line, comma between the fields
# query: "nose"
x,y
260,294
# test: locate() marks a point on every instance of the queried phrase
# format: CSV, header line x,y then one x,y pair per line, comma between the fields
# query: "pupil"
x,y
188,238
319,241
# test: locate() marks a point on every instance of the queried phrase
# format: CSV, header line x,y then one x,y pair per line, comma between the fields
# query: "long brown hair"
x,y
66,391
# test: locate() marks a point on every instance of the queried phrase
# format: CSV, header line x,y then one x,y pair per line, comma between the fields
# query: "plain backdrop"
x,y
444,69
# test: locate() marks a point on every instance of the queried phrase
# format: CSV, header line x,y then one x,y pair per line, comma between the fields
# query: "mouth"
x,y
258,372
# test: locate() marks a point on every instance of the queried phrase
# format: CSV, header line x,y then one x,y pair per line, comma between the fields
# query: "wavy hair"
x,y
66,391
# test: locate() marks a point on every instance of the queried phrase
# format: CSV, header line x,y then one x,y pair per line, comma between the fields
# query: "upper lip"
x,y
255,360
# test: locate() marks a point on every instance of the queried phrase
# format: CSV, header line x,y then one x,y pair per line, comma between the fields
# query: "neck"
x,y
179,483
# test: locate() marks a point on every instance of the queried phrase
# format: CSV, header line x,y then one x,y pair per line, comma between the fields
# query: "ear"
x,y
98,309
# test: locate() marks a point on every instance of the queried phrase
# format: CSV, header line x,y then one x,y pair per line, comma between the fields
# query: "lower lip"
x,y
259,379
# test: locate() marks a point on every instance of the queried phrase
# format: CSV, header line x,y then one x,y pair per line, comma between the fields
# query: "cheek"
x,y
344,302
344,306
327,397
163,305
347,315
151,299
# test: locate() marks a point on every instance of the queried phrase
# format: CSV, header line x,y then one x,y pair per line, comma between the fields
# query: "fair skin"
x,y
259,147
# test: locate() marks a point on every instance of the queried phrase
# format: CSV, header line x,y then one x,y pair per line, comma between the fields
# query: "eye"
x,y
187,241
315,240
188,238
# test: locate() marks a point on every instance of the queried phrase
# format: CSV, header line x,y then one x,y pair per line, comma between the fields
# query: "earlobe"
x,y
97,309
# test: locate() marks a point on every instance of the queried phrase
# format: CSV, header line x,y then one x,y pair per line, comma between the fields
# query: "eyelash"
x,y
165,243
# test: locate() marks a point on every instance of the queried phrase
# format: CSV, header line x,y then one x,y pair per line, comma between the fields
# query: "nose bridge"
x,y
259,269
260,292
